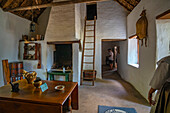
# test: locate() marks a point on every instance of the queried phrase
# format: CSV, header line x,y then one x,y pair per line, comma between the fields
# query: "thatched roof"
x,y
128,4
23,8
10,4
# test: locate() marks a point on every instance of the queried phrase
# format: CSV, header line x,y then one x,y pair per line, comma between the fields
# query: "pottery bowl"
x,y
38,84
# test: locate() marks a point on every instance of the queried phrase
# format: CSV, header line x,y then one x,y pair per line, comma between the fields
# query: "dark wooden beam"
x,y
123,6
138,0
133,36
7,3
126,4
3,3
109,40
27,14
129,2
163,14
64,42
52,4
39,1
24,3
135,2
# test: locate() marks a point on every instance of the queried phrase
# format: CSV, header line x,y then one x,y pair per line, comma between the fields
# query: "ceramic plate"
x,y
59,87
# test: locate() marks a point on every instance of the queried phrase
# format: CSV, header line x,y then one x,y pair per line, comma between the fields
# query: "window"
x,y
133,51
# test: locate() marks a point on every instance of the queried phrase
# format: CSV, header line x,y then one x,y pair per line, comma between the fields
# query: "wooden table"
x,y
31,100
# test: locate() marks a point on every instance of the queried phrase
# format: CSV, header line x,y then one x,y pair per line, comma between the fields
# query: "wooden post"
x,y
94,51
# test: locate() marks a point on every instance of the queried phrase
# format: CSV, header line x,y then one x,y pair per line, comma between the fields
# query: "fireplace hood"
x,y
61,24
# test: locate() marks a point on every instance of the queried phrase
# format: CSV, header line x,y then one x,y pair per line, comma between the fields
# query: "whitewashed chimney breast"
x,y
61,25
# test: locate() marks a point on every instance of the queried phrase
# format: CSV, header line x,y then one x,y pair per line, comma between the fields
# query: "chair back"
x,y
12,71
16,71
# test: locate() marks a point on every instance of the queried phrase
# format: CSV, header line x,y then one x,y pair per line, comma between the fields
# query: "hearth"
x,y
62,56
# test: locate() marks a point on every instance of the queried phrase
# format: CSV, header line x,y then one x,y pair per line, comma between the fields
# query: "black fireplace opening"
x,y
62,56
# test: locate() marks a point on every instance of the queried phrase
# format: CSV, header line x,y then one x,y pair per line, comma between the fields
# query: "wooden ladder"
x,y
90,72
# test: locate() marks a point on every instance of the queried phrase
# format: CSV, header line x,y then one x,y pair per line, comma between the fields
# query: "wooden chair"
x,y
12,71
6,72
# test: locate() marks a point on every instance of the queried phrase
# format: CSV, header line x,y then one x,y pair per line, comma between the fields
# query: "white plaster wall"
x,y
163,38
140,77
79,28
76,67
12,28
61,24
82,17
43,21
111,24
77,21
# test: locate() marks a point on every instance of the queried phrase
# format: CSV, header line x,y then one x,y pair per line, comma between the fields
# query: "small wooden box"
x,y
89,74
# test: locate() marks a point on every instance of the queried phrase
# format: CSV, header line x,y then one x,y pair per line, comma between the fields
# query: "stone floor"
x,y
110,91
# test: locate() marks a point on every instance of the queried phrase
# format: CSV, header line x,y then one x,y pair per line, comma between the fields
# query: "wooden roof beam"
x,y
123,5
130,3
52,4
8,2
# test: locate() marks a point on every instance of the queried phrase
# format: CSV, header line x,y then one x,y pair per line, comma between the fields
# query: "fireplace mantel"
x,y
64,42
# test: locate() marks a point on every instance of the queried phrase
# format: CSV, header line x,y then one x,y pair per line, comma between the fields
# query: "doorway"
x,y
163,35
108,44
91,11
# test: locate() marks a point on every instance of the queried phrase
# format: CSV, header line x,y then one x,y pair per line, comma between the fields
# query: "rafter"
x,y
123,5
7,3
52,4
135,2
22,7
138,0
39,1
129,2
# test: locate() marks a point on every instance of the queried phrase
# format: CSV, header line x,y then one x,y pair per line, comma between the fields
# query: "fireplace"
x,y
62,56
64,53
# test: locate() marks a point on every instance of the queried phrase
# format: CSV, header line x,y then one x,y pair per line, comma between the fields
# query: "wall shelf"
x,y
30,51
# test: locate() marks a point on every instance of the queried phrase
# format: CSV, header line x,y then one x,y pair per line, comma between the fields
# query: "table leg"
x,y
60,110
69,105
67,77
47,76
51,77
74,98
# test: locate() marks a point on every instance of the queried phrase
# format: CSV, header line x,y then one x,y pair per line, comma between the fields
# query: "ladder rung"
x,y
88,55
89,42
88,48
89,36
88,62
89,73
89,30
90,25
89,20
88,78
